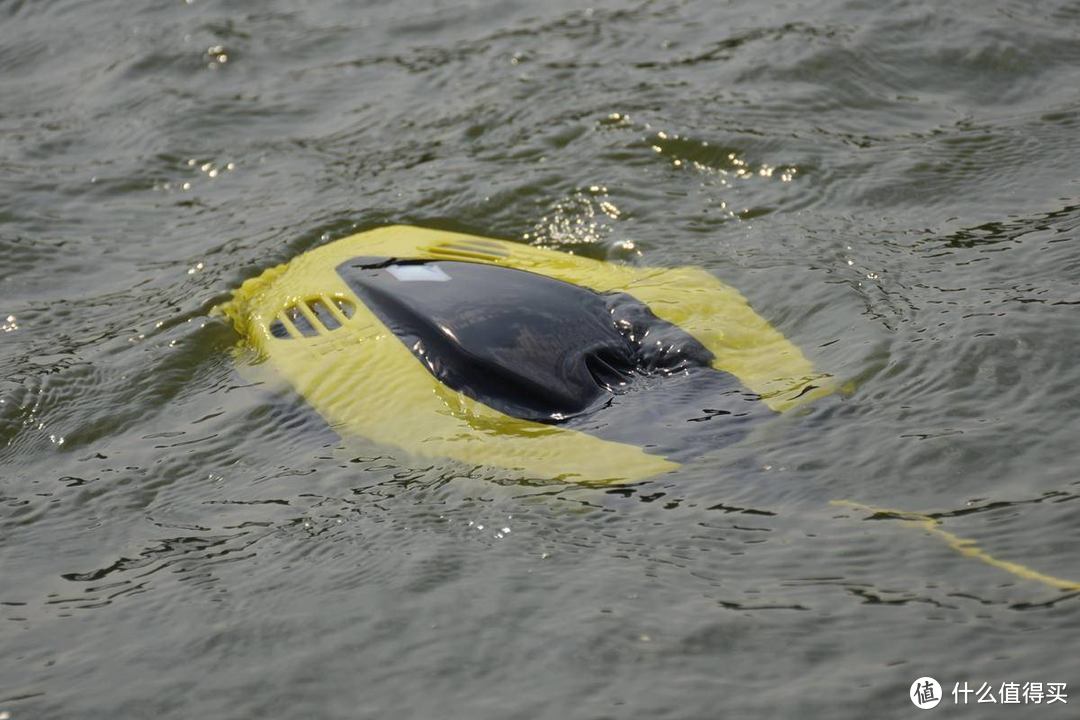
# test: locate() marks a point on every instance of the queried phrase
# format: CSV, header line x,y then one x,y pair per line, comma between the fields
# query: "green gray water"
x,y
894,185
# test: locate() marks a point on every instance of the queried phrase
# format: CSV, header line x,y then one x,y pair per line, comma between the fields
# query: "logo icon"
x,y
925,693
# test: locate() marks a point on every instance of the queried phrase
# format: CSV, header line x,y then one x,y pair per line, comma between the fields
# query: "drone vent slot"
x,y
312,317
469,252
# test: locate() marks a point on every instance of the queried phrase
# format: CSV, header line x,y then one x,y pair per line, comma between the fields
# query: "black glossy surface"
x,y
525,344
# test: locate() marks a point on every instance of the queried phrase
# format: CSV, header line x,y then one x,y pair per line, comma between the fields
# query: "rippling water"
x,y
894,185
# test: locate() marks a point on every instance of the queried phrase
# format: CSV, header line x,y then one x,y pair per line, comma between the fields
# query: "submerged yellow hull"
x,y
365,382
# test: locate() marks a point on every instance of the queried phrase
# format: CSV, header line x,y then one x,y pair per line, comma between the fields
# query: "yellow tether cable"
x,y
965,547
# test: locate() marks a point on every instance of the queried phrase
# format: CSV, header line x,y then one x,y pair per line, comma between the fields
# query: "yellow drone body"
x,y
330,323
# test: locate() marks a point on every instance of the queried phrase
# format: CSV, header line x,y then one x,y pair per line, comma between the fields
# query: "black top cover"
x,y
527,345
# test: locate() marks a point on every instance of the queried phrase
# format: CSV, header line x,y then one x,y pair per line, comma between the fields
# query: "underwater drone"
x,y
496,353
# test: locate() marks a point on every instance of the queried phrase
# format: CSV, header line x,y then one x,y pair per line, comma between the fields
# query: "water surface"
x,y
893,185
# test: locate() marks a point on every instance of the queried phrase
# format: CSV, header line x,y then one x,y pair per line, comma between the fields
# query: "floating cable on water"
x,y
967,548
